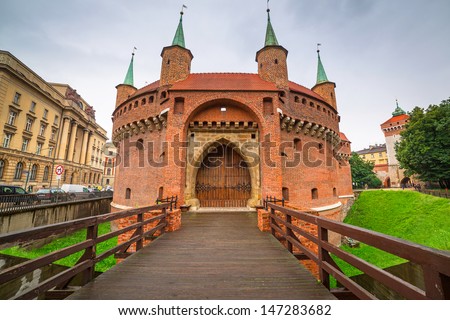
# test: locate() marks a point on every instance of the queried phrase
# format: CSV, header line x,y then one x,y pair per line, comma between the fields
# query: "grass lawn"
x,y
407,215
63,242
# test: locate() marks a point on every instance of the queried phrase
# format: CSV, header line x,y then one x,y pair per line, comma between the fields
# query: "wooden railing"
x,y
270,199
172,201
435,263
437,193
86,264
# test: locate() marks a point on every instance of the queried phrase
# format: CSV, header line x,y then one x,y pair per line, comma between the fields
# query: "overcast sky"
x,y
375,51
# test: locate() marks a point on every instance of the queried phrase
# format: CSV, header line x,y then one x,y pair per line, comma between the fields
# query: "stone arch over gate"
x,y
247,150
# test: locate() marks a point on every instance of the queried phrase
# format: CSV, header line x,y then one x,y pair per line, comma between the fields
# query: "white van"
x,y
76,191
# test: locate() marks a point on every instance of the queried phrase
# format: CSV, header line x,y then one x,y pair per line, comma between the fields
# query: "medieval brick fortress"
x,y
230,139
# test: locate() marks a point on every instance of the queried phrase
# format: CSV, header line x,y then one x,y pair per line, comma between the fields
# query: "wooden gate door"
x,y
223,180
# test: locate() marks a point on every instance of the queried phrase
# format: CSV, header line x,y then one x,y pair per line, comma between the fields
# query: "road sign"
x,y
59,170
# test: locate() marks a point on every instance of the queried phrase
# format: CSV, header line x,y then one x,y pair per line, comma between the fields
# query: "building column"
x,y
63,139
73,135
89,149
84,146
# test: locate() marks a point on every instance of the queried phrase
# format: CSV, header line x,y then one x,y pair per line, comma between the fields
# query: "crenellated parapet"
x,y
308,128
150,124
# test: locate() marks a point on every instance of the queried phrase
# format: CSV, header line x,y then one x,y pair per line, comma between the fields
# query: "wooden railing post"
x,y
272,220
90,253
323,256
140,231
289,232
437,285
164,219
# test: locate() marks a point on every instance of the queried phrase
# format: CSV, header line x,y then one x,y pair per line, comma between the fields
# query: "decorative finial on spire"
x,y
398,111
134,49
182,9
318,45
268,9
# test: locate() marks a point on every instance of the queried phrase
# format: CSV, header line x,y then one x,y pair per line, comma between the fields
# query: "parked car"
x,y
52,195
77,191
15,194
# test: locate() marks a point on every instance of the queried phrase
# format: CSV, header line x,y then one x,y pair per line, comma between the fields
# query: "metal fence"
x,y
19,202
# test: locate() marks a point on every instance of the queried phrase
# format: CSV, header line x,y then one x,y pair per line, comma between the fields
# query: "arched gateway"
x,y
223,180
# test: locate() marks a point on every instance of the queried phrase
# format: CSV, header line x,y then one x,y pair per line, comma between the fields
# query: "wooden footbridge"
x,y
222,256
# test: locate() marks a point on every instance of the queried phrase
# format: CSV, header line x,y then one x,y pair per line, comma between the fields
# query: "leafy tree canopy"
x,y
424,147
362,172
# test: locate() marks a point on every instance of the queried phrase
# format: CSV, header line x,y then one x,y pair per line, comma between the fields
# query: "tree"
x,y
424,147
362,172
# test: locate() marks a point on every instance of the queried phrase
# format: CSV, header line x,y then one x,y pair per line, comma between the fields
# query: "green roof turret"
x,y
178,40
129,77
271,39
398,111
321,75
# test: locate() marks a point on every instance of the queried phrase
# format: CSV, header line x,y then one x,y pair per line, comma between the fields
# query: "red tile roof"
x,y
301,89
228,82
396,119
224,82
343,136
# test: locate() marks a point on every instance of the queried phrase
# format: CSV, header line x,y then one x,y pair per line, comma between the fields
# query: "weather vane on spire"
x,y
134,49
182,9
318,45
268,9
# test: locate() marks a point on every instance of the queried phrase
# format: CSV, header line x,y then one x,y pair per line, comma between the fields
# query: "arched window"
x,y
334,192
136,104
18,172
128,193
108,171
285,192
107,181
304,101
143,101
160,192
46,171
297,144
151,99
2,168
140,144
314,193
33,172
296,99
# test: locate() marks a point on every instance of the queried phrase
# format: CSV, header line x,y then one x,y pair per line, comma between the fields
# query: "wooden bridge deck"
x,y
213,256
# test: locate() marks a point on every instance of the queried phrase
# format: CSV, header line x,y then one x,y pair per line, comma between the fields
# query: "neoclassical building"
x,y
230,139
44,125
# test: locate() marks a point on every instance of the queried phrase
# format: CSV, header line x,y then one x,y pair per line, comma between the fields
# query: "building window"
x,y
55,122
314,193
151,99
46,171
285,193
33,172
2,168
179,105
32,106
7,140
45,114
311,104
50,151
128,193
109,161
144,101
107,181
17,98
372,156
267,106
108,171
28,124
53,135
39,148
296,99
380,154
25,145
304,101
321,150
42,130
334,192
18,172
12,117
297,144
136,104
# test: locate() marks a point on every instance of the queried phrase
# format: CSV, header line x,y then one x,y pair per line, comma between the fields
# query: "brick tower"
x,y
176,59
272,64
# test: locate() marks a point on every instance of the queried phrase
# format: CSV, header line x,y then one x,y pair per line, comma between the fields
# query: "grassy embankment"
x,y
407,215
64,242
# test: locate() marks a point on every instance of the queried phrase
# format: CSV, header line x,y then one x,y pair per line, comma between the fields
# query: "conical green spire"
x,y
398,111
178,40
271,39
321,75
129,77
